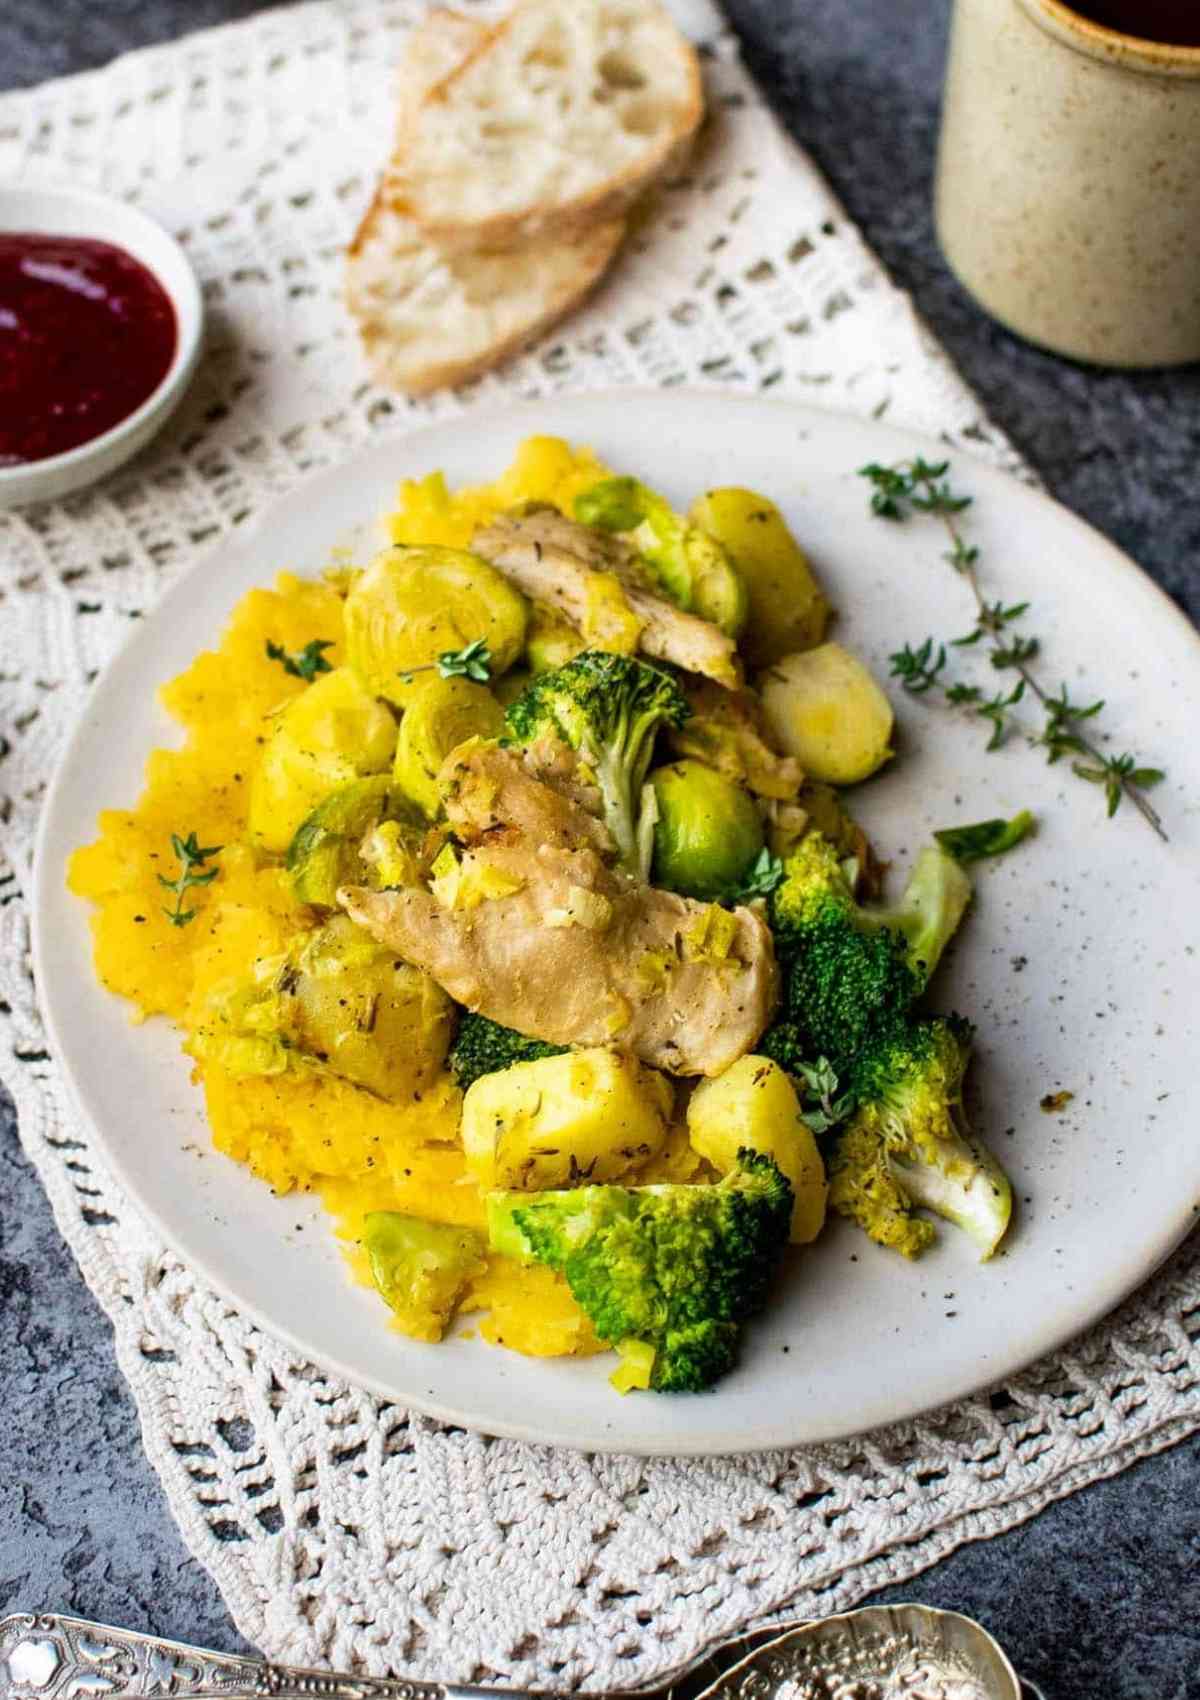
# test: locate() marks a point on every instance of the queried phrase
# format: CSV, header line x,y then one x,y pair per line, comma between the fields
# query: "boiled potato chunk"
x,y
412,605
421,1268
589,1115
787,607
439,715
823,707
755,1104
378,1022
331,733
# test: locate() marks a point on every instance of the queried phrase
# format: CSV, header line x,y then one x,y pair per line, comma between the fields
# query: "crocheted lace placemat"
x,y
341,1529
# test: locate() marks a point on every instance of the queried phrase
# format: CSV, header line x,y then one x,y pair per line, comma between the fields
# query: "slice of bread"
x,y
553,123
439,45
427,319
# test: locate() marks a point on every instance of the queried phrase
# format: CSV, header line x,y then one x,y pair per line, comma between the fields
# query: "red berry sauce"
x,y
86,334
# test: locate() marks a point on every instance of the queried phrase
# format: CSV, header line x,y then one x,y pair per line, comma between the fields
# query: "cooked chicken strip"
x,y
571,950
485,788
556,560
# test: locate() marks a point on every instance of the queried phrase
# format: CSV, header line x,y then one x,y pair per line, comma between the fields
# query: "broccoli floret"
x,y
674,1268
609,708
907,1146
484,1047
851,973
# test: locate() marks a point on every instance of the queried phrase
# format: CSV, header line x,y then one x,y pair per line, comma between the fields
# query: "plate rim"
x,y
592,1439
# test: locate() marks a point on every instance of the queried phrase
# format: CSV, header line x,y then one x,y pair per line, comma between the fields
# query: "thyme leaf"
x,y
191,855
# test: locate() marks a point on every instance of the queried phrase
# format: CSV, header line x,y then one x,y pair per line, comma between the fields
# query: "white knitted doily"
x,y
340,1529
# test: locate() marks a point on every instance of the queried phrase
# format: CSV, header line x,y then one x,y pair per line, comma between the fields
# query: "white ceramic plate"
x,y
1080,962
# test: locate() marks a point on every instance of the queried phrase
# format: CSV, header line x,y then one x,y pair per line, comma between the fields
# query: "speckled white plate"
x,y
1080,962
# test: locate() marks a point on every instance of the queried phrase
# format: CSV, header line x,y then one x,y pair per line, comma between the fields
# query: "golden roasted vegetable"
x,y
787,607
550,641
333,732
823,707
336,1001
589,1115
421,1268
325,850
439,715
754,1104
707,831
412,605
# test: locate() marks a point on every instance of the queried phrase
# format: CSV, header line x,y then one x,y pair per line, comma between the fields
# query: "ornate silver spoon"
x,y
906,1652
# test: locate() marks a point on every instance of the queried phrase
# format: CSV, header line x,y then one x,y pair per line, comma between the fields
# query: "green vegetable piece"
x,y
441,714
609,708
986,837
421,1268
324,853
674,1267
415,609
483,1047
691,567
306,663
550,641
708,833
908,1147
788,609
851,972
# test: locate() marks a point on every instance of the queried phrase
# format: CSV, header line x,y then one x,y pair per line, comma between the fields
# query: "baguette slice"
x,y
426,320
556,122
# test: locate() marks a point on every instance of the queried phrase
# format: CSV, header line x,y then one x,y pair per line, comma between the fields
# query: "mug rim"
x,y
1112,46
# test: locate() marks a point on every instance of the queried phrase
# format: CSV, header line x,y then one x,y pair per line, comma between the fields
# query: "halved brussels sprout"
x,y
412,605
421,1268
333,732
325,850
707,833
823,707
550,641
440,714
788,609
692,568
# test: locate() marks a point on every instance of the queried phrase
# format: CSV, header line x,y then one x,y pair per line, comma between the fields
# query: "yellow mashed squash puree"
x,y
303,1129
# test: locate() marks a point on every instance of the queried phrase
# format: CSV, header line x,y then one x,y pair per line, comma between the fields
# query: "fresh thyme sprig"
x,y
765,873
191,855
921,486
473,661
306,663
821,1084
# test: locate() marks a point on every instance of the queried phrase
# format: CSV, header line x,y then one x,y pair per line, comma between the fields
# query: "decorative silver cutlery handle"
x,y
50,1657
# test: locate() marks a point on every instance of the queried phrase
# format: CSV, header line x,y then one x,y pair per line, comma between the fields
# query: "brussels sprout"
x,y
550,641
823,707
412,605
440,715
420,1268
788,609
331,733
692,568
708,831
325,850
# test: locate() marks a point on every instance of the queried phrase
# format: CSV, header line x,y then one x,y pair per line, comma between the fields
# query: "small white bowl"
x,y
74,212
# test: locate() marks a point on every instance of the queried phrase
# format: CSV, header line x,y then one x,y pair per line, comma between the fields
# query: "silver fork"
x,y
47,1656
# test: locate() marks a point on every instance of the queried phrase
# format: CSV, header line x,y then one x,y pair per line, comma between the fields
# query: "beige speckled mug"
x,y
1068,184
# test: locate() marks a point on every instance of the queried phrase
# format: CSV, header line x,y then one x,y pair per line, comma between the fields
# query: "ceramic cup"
x,y
1068,183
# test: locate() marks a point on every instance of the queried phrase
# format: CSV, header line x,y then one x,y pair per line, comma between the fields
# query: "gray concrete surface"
x,y
1100,1595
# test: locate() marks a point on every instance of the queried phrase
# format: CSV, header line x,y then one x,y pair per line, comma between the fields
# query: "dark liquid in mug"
x,y
1176,22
